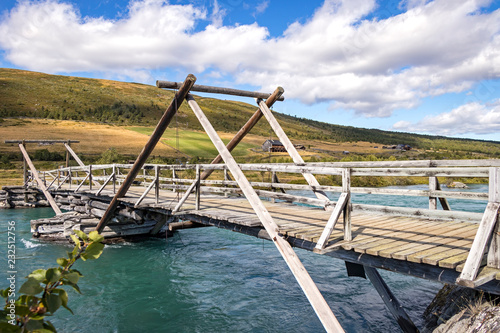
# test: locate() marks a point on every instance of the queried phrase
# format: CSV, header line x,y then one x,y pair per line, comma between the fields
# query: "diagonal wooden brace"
x,y
476,253
290,148
332,221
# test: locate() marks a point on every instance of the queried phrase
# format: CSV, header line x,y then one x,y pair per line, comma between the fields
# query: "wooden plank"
x,y
480,242
427,244
431,246
372,248
371,232
415,237
392,227
322,309
40,183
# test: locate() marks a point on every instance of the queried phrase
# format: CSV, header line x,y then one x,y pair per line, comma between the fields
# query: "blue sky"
x,y
430,67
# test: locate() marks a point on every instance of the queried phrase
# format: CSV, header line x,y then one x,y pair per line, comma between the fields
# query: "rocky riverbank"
x,y
462,310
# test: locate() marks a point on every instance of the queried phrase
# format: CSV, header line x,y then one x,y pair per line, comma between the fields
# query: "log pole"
x,y
216,90
148,148
47,194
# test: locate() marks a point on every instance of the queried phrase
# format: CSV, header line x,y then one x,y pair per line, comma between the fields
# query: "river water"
x,y
213,280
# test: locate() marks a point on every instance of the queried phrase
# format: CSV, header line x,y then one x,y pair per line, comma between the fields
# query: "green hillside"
x,y
38,95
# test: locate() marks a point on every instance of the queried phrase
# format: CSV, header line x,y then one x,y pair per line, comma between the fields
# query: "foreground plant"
x,y
42,294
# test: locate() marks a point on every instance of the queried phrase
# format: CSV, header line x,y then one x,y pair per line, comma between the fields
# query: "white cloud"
x,y
473,118
261,7
370,66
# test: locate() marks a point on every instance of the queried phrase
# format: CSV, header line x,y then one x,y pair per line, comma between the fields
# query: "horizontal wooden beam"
x,y
41,141
216,90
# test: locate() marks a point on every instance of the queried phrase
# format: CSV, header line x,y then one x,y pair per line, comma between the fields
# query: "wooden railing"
x,y
179,177
187,179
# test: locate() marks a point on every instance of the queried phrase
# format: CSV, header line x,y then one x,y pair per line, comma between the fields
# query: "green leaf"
x,y
93,251
38,275
76,240
62,262
63,295
31,287
22,310
94,236
72,277
5,292
81,234
74,285
49,327
8,328
33,325
53,275
53,302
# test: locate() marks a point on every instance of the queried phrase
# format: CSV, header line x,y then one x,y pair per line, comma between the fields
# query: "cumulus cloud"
x,y
371,66
472,117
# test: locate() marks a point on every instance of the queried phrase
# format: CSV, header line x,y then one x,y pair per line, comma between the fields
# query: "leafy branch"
x,y
42,294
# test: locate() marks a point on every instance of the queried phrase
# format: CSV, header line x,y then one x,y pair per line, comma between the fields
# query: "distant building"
x,y
273,146
403,147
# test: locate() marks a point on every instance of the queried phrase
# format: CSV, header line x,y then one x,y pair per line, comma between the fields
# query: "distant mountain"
x,y
38,95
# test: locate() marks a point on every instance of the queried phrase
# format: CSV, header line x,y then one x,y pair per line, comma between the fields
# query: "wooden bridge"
x,y
446,245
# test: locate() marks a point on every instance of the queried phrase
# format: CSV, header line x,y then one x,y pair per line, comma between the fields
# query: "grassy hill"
x,y
139,106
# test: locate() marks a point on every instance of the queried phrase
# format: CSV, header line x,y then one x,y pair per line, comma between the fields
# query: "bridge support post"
x,y
157,184
494,195
198,188
391,302
435,186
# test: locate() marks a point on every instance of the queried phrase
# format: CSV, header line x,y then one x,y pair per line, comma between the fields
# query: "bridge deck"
x,y
419,240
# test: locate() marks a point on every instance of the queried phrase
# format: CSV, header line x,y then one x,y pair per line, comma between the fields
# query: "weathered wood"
x,y
144,194
339,207
245,130
483,235
40,183
41,141
391,302
148,148
412,163
494,196
422,172
215,90
106,182
425,213
322,309
181,202
290,148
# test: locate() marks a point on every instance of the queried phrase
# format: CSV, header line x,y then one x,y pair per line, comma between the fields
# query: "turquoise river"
x,y
212,280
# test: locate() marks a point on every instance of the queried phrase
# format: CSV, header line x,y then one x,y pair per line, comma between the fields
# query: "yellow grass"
x,y
94,138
